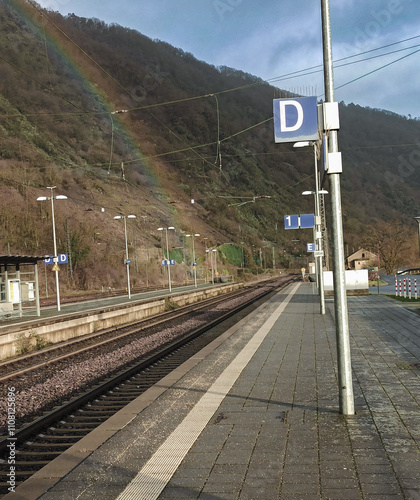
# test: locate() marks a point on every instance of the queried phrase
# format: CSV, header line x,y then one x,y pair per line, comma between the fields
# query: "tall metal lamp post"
x,y
318,241
127,260
194,262
418,222
55,257
167,253
215,262
345,382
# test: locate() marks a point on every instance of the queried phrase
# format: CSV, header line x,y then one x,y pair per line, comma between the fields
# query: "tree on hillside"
x,y
394,241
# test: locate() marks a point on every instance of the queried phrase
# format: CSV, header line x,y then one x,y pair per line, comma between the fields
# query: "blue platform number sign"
x,y
291,222
172,262
303,221
307,221
310,247
295,119
62,259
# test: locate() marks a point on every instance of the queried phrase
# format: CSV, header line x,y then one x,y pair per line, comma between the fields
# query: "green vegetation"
x,y
232,253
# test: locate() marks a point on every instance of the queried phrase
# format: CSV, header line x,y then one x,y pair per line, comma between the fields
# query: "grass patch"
x,y
404,299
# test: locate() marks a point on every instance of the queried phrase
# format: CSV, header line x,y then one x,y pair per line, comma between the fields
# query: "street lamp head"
x,y
61,197
322,191
131,217
171,227
118,217
160,228
301,144
42,198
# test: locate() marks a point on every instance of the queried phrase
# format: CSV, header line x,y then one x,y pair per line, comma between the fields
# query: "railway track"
x,y
37,443
20,365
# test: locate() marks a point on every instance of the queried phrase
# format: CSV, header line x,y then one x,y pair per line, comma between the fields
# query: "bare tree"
x,y
394,241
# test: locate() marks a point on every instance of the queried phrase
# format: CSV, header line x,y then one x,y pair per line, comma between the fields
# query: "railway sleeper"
x,y
48,446
21,473
109,403
85,426
38,454
52,437
32,463
109,409
99,413
65,430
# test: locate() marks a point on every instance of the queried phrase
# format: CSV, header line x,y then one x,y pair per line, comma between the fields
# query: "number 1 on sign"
x,y
291,222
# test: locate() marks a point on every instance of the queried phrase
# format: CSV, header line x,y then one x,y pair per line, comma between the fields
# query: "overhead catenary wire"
x,y
218,142
294,74
107,73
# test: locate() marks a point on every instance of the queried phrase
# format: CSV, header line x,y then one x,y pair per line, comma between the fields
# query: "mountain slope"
x,y
188,131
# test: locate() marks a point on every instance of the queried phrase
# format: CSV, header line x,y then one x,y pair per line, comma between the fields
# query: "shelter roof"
x,y
21,259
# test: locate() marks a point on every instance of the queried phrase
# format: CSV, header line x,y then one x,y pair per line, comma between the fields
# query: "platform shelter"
x,y
19,286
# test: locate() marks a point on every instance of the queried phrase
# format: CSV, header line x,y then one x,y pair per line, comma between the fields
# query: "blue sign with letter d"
x,y
295,119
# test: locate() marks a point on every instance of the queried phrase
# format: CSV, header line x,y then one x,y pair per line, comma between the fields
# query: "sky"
x,y
273,38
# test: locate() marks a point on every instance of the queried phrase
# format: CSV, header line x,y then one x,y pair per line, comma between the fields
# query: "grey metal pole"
x,y
346,397
418,222
38,307
126,257
167,260
318,260
194,264
55,259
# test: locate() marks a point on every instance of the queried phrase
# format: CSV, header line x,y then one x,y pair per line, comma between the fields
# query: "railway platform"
x,y
255,416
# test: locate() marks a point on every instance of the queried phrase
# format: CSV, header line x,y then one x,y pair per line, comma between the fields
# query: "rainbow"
x,y
82,69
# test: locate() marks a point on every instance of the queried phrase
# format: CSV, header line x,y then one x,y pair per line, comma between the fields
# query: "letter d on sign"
x,y
295,119
284,127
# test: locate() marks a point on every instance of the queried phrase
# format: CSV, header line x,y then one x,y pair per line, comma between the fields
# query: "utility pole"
x,y
340,298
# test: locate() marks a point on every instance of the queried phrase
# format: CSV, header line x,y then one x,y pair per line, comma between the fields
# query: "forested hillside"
x,y
122,124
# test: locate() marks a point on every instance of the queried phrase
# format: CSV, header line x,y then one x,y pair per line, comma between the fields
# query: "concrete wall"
x,y
62,329
357,282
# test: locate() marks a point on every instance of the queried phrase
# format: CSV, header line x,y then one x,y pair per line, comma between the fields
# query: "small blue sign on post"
x,y
310,247
62,259
295,119
291,222
304,221
172,262
164,262
307,221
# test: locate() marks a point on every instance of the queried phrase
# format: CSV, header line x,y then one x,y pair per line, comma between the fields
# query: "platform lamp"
x,y
126,260
318,241
167,253
194,262
318,260
55,257
418,222
215,260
